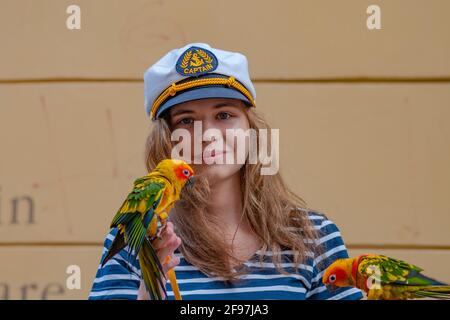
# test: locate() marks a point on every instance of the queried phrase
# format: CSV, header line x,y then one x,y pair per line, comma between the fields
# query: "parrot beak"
x,y
331,287
190,181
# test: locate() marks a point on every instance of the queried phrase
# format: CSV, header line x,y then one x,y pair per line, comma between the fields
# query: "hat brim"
x,y
202,93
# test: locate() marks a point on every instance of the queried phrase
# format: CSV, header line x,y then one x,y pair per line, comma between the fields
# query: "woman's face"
x,y
219,114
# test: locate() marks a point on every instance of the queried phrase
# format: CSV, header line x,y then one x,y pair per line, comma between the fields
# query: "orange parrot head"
x,y
339,274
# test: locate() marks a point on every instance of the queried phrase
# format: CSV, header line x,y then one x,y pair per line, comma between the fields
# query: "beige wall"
x,y
364,119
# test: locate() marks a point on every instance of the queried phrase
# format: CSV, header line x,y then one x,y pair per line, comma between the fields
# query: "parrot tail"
x,y
435,292
117,245
152,271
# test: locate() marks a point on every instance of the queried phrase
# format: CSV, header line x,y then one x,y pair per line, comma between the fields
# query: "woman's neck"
x,y
226,201
227,207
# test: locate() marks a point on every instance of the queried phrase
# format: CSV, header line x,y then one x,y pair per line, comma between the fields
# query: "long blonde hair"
x,y
275,214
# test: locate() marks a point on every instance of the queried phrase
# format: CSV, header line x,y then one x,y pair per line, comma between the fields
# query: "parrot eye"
x,y
332,278
186,172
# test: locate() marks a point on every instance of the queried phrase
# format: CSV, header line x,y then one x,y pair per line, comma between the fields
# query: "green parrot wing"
x,y
414,276
135,215
146,193
391,271
137,210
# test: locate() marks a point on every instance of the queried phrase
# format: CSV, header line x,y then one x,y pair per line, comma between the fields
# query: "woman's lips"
x,y
215,154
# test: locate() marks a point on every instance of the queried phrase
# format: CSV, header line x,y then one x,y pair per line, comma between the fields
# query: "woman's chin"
x,y
217,172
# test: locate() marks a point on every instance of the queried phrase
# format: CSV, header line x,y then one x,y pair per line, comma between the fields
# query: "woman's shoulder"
x,y
328,235
319,220
329,246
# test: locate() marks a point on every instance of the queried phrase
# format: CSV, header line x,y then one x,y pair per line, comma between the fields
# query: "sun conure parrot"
x,y
151,198
384,278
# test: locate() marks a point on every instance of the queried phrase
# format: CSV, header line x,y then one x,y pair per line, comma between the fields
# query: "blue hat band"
x,y
211,85
198,93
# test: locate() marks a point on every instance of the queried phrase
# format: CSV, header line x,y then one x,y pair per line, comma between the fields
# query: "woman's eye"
x,y
186,121
223,115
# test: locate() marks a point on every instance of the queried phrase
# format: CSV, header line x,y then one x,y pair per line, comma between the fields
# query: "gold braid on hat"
x,y
174,88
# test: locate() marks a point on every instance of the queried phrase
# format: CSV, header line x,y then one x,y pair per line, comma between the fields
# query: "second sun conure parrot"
x,y
150,200
384,278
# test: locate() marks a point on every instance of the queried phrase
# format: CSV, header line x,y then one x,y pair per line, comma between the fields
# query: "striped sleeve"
x,y
118,278
332,248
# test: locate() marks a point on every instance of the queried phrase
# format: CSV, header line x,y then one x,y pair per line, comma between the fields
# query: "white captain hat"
x,y
196,71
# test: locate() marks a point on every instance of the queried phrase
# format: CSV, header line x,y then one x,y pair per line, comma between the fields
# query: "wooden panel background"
x,y
287,40
364,119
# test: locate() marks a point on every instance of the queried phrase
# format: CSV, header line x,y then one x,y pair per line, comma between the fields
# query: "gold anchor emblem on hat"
x,y
196,61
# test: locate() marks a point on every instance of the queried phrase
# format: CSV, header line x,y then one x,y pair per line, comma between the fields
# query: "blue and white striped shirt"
x,y
120,279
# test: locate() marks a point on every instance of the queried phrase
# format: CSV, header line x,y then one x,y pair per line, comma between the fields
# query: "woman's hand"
x,y
164,247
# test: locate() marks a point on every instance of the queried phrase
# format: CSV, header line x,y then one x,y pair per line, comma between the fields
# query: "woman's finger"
x,y
164,237
171,245
165,240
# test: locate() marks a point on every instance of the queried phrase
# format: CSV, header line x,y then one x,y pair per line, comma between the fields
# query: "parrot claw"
x,y
160,230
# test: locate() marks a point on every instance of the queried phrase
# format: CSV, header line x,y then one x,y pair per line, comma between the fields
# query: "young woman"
x,y
236,234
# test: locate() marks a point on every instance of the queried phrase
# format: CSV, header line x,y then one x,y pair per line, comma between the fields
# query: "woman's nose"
x,y
211,131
